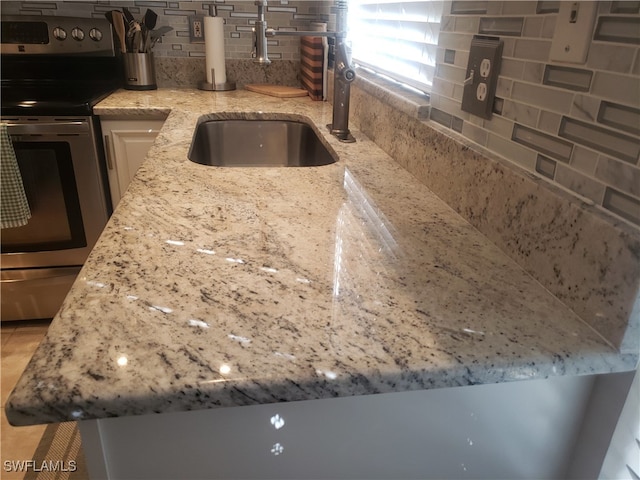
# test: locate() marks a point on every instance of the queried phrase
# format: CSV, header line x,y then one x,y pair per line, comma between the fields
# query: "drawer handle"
x,y
107,147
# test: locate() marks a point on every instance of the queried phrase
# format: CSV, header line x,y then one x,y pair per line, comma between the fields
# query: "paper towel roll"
x,y
214,49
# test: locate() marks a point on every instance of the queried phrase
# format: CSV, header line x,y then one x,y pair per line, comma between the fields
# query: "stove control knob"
x,y
95,34
77,34
59,33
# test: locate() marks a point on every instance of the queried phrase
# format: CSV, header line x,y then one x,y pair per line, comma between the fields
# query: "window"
x,y
396,38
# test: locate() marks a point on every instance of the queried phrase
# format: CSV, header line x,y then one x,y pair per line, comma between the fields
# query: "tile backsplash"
x,y
577,126
239,17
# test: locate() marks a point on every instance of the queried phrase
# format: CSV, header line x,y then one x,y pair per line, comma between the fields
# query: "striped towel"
x,y
14,208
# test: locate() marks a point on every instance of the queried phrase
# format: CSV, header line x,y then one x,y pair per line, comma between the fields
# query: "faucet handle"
x,y
349,74
342,66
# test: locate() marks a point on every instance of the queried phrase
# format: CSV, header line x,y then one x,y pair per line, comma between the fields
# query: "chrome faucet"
x,y
343,73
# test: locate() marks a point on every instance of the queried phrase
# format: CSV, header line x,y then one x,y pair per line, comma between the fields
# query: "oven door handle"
x,y
27,275
57,128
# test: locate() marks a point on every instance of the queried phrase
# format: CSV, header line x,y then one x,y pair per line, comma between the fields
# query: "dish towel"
x,y
14,208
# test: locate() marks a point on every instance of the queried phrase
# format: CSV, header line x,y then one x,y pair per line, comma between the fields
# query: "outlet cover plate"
x,y
196,28
485,57
574,30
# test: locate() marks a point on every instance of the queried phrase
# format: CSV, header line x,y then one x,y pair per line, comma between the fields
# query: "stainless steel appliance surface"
x,y
53,71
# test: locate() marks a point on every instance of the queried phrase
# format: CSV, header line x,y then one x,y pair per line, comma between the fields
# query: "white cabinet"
x,y
126,143
525,430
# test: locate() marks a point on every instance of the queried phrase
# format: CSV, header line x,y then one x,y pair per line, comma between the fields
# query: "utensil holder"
x,y
139,71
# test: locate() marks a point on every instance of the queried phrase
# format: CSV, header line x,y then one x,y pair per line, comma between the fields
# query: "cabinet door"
x,y
127,143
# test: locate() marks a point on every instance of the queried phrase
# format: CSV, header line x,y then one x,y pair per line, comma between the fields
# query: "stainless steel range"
x,y
53,71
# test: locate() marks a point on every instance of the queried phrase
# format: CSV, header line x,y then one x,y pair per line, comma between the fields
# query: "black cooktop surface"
x,y
51,100
55,86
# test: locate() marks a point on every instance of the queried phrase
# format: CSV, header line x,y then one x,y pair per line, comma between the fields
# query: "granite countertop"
x,y
217,287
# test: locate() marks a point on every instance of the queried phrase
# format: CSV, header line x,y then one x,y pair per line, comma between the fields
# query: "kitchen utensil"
x,y
149,20
156,34
128,16
109,16
131,26
146,41
118,26
137,42
133,36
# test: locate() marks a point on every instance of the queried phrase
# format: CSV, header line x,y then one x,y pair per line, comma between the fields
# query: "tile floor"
x,y
19,341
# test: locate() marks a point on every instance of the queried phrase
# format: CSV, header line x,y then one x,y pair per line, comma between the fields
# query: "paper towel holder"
x,y
216,87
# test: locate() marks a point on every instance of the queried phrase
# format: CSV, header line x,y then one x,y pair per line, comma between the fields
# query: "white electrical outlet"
x,y
574,29
196,29
481,92
485,68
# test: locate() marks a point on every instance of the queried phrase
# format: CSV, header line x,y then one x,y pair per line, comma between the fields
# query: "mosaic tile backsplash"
x,y
239,17
576,125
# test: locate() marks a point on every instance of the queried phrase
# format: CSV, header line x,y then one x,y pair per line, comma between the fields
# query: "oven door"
x,y
63,181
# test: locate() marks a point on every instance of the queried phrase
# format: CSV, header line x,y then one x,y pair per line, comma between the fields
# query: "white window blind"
x,y
396,38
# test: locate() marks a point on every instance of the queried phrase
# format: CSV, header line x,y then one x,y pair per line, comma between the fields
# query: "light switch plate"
x,y
574,30
482,75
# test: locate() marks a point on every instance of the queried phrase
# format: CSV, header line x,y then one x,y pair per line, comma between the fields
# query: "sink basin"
x,y
258,143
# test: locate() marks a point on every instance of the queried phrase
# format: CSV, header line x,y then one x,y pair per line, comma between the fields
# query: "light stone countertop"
x,y
217,287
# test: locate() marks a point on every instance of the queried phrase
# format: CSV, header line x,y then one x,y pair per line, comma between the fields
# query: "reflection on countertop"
x,y
215,287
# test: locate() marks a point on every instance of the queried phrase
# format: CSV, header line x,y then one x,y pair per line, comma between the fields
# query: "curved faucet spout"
x,y
344,74
260,36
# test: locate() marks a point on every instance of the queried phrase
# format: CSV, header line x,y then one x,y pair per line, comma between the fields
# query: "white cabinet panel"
x,y
515,430
127,143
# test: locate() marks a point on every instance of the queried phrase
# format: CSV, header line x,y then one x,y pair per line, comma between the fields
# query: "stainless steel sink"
x,y
258,143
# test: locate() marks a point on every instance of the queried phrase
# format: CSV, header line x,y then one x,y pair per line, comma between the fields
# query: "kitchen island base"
x,y
525,429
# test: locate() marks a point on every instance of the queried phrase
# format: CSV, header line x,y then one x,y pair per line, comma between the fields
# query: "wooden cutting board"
x,y
311,65
281,91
